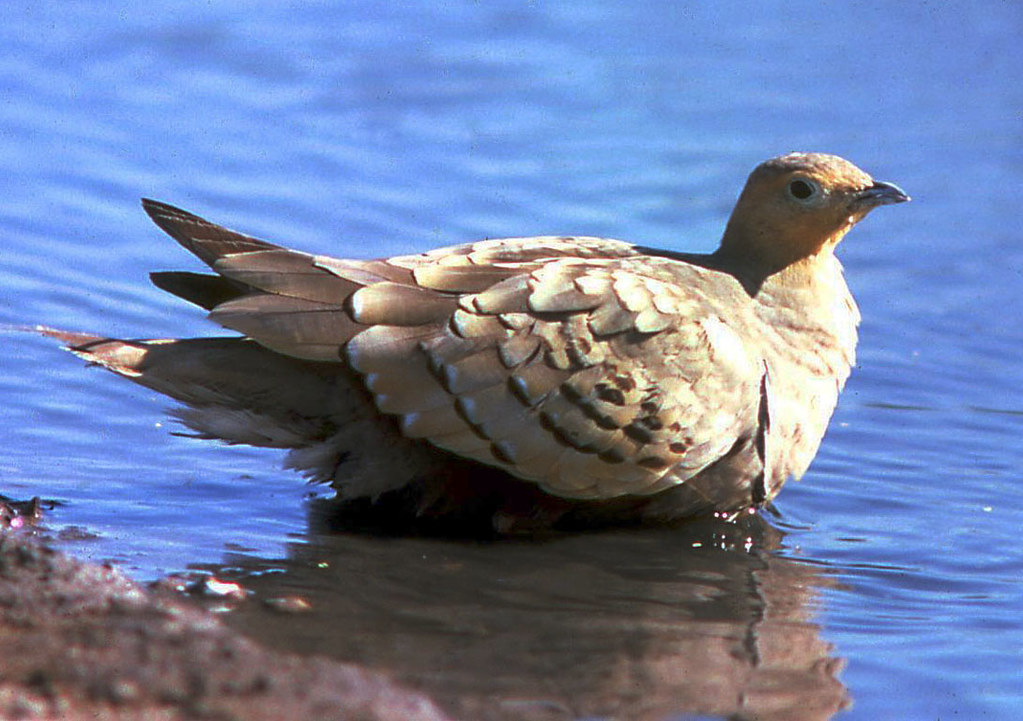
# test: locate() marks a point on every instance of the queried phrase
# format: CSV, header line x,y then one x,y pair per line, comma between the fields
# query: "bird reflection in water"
x,y
641,624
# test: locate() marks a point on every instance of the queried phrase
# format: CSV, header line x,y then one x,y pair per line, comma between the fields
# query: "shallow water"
x,y
379,128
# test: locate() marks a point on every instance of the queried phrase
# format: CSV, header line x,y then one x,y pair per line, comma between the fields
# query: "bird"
x,y
523,384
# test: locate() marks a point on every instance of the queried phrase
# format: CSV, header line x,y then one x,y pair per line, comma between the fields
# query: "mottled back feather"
x,y
564,361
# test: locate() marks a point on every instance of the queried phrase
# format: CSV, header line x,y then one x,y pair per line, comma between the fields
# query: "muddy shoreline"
x,y
82,641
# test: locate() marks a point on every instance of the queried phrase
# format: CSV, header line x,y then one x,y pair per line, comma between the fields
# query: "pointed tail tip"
x,y
165,213
120,356
71,339
155,208
150,206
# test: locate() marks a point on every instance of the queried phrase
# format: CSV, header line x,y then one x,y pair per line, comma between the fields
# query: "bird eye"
x,y
802,189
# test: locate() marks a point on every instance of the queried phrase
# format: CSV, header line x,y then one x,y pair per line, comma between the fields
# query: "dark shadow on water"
x,y
636,624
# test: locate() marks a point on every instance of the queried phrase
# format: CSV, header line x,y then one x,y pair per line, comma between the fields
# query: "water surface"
x,y
370,128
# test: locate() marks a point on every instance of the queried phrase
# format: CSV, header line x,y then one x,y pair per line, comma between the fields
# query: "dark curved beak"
x,y
880,194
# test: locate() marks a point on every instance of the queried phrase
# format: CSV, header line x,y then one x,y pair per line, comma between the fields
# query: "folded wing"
x,y
575,363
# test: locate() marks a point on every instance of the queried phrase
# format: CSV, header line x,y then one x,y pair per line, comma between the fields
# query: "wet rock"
x,y
20,514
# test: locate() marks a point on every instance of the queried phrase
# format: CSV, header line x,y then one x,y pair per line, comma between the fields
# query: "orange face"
x,y
796,205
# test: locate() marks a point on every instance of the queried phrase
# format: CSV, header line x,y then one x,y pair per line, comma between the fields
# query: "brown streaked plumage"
x,y
530,381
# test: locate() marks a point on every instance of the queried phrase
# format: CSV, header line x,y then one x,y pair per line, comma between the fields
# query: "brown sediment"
x,y
81,641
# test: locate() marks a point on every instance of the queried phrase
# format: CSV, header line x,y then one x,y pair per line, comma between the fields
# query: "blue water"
x,y
370,128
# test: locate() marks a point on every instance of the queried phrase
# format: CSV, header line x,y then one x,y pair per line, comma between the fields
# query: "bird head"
x,y
799,206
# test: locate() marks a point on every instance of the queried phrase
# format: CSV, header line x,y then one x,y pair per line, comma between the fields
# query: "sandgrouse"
x,y
529,382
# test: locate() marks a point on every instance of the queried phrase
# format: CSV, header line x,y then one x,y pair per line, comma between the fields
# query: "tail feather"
x,y
206,240
237,391
227,372
205,290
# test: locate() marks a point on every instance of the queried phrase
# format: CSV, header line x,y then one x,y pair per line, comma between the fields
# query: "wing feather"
x,y
574,363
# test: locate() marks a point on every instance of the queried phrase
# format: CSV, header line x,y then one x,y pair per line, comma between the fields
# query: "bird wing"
x,y
575,363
